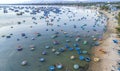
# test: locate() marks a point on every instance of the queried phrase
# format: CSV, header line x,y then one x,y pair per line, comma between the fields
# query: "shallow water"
x,y
68,22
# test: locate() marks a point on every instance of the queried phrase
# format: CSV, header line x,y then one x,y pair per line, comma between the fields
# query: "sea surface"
x,y
47,28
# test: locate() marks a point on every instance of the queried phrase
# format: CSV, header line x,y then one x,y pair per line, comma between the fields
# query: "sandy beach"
x,y
109,59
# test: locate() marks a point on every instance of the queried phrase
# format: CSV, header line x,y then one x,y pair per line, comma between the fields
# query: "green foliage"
x,y
118,28
119,18
104,8
118,7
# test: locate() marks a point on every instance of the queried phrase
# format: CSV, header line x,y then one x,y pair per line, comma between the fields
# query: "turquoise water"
x,y
68,23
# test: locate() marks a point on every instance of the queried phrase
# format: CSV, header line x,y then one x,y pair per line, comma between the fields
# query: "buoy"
x,y
76,66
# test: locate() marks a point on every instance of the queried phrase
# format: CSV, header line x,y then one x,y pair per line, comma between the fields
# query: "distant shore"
x,y
108,61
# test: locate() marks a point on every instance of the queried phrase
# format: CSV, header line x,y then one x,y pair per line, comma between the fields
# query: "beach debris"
x,y
72,57
52,68
42,59
96,59
102,51
24,63
76,66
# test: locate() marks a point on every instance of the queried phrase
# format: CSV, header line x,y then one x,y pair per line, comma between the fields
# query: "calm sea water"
x,y
68,23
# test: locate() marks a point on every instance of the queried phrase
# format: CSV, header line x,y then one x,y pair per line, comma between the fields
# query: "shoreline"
x,y
108,61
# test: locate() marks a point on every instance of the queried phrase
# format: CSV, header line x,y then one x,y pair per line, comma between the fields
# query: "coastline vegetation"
x,y
104,8
118,28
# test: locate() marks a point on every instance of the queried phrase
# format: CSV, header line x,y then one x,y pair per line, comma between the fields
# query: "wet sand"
x,y
108,61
